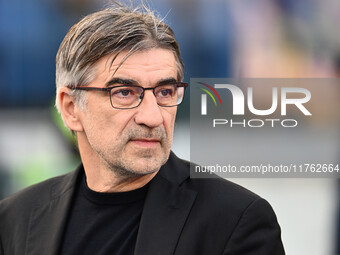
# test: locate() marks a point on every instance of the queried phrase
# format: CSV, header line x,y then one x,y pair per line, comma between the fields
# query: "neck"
x,y
109,182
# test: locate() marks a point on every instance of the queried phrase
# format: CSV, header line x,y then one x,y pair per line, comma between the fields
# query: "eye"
x,y
123,92
166,91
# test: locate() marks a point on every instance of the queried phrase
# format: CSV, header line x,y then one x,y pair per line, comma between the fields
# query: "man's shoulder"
x,y
212,187
39,193
222,193
230,213
231,205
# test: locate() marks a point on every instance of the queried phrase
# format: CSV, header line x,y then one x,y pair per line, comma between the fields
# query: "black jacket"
x,y
181,216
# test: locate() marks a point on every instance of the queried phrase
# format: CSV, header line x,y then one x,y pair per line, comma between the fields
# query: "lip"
x,y
146,142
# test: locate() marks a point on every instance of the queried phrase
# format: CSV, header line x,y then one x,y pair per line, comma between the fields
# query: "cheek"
x,y
106,120
119,123
97,111
169,116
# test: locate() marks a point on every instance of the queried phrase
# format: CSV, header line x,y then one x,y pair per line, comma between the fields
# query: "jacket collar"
x,y
175,170
48,220
166,209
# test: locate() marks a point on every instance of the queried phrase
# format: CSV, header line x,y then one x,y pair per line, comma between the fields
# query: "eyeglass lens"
x,y
131,96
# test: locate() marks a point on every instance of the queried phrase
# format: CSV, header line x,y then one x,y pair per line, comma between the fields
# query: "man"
x,y
118,76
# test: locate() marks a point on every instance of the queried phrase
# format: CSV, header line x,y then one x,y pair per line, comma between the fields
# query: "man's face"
x,y
130,141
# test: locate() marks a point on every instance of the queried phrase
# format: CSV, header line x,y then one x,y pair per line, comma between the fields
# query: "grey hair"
x,y
110,31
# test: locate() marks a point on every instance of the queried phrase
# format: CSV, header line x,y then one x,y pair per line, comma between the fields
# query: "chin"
x,y
145,165
131,172
139,163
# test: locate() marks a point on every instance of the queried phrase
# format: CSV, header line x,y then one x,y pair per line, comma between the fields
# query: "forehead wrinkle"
x,y
117,63
129,54
127,70
150,68
134,49
169,79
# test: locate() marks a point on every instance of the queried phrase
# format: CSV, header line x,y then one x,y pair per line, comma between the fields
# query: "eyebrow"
x,y
167,81
123,81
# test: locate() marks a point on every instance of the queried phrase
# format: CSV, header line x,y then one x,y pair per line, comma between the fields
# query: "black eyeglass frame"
x,y
108,89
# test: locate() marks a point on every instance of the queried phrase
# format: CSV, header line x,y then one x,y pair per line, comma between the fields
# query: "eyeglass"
x,y
131,96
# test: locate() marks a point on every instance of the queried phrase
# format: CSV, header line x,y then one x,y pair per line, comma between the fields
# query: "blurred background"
x,y
218,38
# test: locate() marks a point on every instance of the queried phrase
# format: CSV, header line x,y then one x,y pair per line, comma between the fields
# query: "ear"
x,y
69,110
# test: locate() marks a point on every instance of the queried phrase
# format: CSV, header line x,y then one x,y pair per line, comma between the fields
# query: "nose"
x,y
149,112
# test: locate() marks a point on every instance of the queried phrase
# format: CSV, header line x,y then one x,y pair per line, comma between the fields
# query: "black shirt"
x,y
103,223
